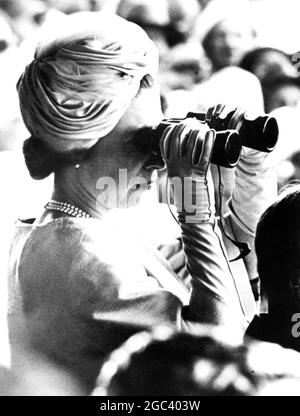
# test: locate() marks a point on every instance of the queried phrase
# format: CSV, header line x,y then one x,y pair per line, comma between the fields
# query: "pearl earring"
x,y
77,166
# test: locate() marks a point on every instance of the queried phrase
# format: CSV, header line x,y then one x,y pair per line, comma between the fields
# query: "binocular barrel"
x,y
226,150
260,133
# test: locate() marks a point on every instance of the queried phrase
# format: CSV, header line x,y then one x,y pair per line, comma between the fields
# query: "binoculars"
x,y
232,132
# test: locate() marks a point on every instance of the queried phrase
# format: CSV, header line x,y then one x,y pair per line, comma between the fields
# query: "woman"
x,y
79,286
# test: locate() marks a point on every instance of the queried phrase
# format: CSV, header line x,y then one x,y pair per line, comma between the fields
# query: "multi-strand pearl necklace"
x,y
66,208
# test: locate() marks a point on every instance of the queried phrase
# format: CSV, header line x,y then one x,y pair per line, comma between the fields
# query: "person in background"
x,y
153,17
277,76
173,19
183,66
170,24
166,363
281,92
289,170
277,250
25,16
268,63
226,32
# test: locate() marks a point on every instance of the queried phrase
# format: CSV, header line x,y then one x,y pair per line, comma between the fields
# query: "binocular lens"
x,y
227,149
260,135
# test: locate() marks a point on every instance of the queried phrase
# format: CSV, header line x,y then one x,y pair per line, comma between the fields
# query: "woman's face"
x,y
119,169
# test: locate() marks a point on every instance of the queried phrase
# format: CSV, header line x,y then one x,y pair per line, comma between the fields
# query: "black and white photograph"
x,y
150,202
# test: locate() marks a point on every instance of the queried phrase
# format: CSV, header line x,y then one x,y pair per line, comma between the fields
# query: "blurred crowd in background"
x,y
239,52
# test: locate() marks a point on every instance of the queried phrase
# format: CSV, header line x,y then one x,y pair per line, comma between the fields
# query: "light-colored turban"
x,y
83,79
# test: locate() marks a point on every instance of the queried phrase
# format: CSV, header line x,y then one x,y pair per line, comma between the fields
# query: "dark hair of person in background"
x,y
180,365
281,91
175,28
277,246
268,62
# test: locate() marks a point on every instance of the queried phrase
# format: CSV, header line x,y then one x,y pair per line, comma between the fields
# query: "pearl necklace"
x,y
66,208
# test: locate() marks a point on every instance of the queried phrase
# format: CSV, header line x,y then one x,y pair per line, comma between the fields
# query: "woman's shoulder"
x,y
77,247
65,233
84,258
63,225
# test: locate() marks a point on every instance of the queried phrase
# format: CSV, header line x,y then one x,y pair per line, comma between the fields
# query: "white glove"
x,y
186,148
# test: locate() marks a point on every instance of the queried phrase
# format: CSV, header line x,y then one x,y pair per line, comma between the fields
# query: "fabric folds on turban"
x,y
83,79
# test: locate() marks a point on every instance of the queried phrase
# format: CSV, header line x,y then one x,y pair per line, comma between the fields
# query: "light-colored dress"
x,y
80,288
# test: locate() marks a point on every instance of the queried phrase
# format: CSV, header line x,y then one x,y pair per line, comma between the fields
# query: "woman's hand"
x,y
216,110
186,148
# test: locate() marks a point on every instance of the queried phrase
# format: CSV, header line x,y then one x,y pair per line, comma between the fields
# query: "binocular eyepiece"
x,y
232,132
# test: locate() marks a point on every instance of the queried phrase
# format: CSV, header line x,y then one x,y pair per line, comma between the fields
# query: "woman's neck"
x,y
73,190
